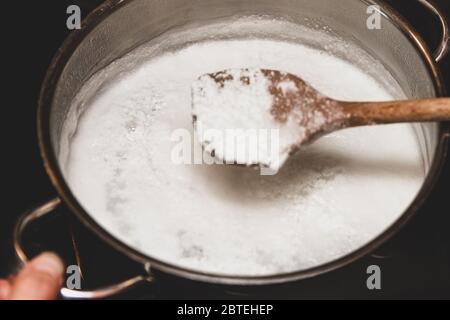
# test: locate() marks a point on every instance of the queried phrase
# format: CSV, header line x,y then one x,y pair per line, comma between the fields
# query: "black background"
x,y
32,32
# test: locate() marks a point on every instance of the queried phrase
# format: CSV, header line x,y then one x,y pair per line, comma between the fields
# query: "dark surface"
x,y
416,262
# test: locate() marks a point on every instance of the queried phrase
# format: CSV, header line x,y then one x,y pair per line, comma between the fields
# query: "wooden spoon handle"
x,y
364,113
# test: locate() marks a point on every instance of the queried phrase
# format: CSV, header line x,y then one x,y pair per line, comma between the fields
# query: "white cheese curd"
x,y
330,199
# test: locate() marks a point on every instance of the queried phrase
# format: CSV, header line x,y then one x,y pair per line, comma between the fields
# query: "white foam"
x,y
329,200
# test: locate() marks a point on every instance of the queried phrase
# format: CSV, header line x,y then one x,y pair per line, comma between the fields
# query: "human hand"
x,y
40,279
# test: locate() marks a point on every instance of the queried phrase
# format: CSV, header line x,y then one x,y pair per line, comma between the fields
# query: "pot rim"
x,y
53,171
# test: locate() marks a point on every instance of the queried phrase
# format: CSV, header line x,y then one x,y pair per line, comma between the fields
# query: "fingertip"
x,y
40,279
49,263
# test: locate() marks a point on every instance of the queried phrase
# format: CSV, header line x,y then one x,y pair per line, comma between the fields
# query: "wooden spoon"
x,y
270,99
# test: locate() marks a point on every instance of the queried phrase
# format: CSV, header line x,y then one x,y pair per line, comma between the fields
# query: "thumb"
x,y
40,279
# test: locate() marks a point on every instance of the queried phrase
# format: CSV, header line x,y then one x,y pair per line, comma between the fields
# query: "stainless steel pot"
x,y
118,26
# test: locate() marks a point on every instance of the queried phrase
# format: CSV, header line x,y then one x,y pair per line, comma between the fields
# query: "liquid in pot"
x,y
333,197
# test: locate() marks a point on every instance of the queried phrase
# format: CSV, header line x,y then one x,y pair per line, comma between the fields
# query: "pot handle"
x,y
444,45
66,293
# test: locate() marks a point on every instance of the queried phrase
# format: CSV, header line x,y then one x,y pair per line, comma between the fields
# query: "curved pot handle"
x,y
444,45
67,293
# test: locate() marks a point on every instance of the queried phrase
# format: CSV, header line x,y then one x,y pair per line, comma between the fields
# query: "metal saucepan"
x,y
118,26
